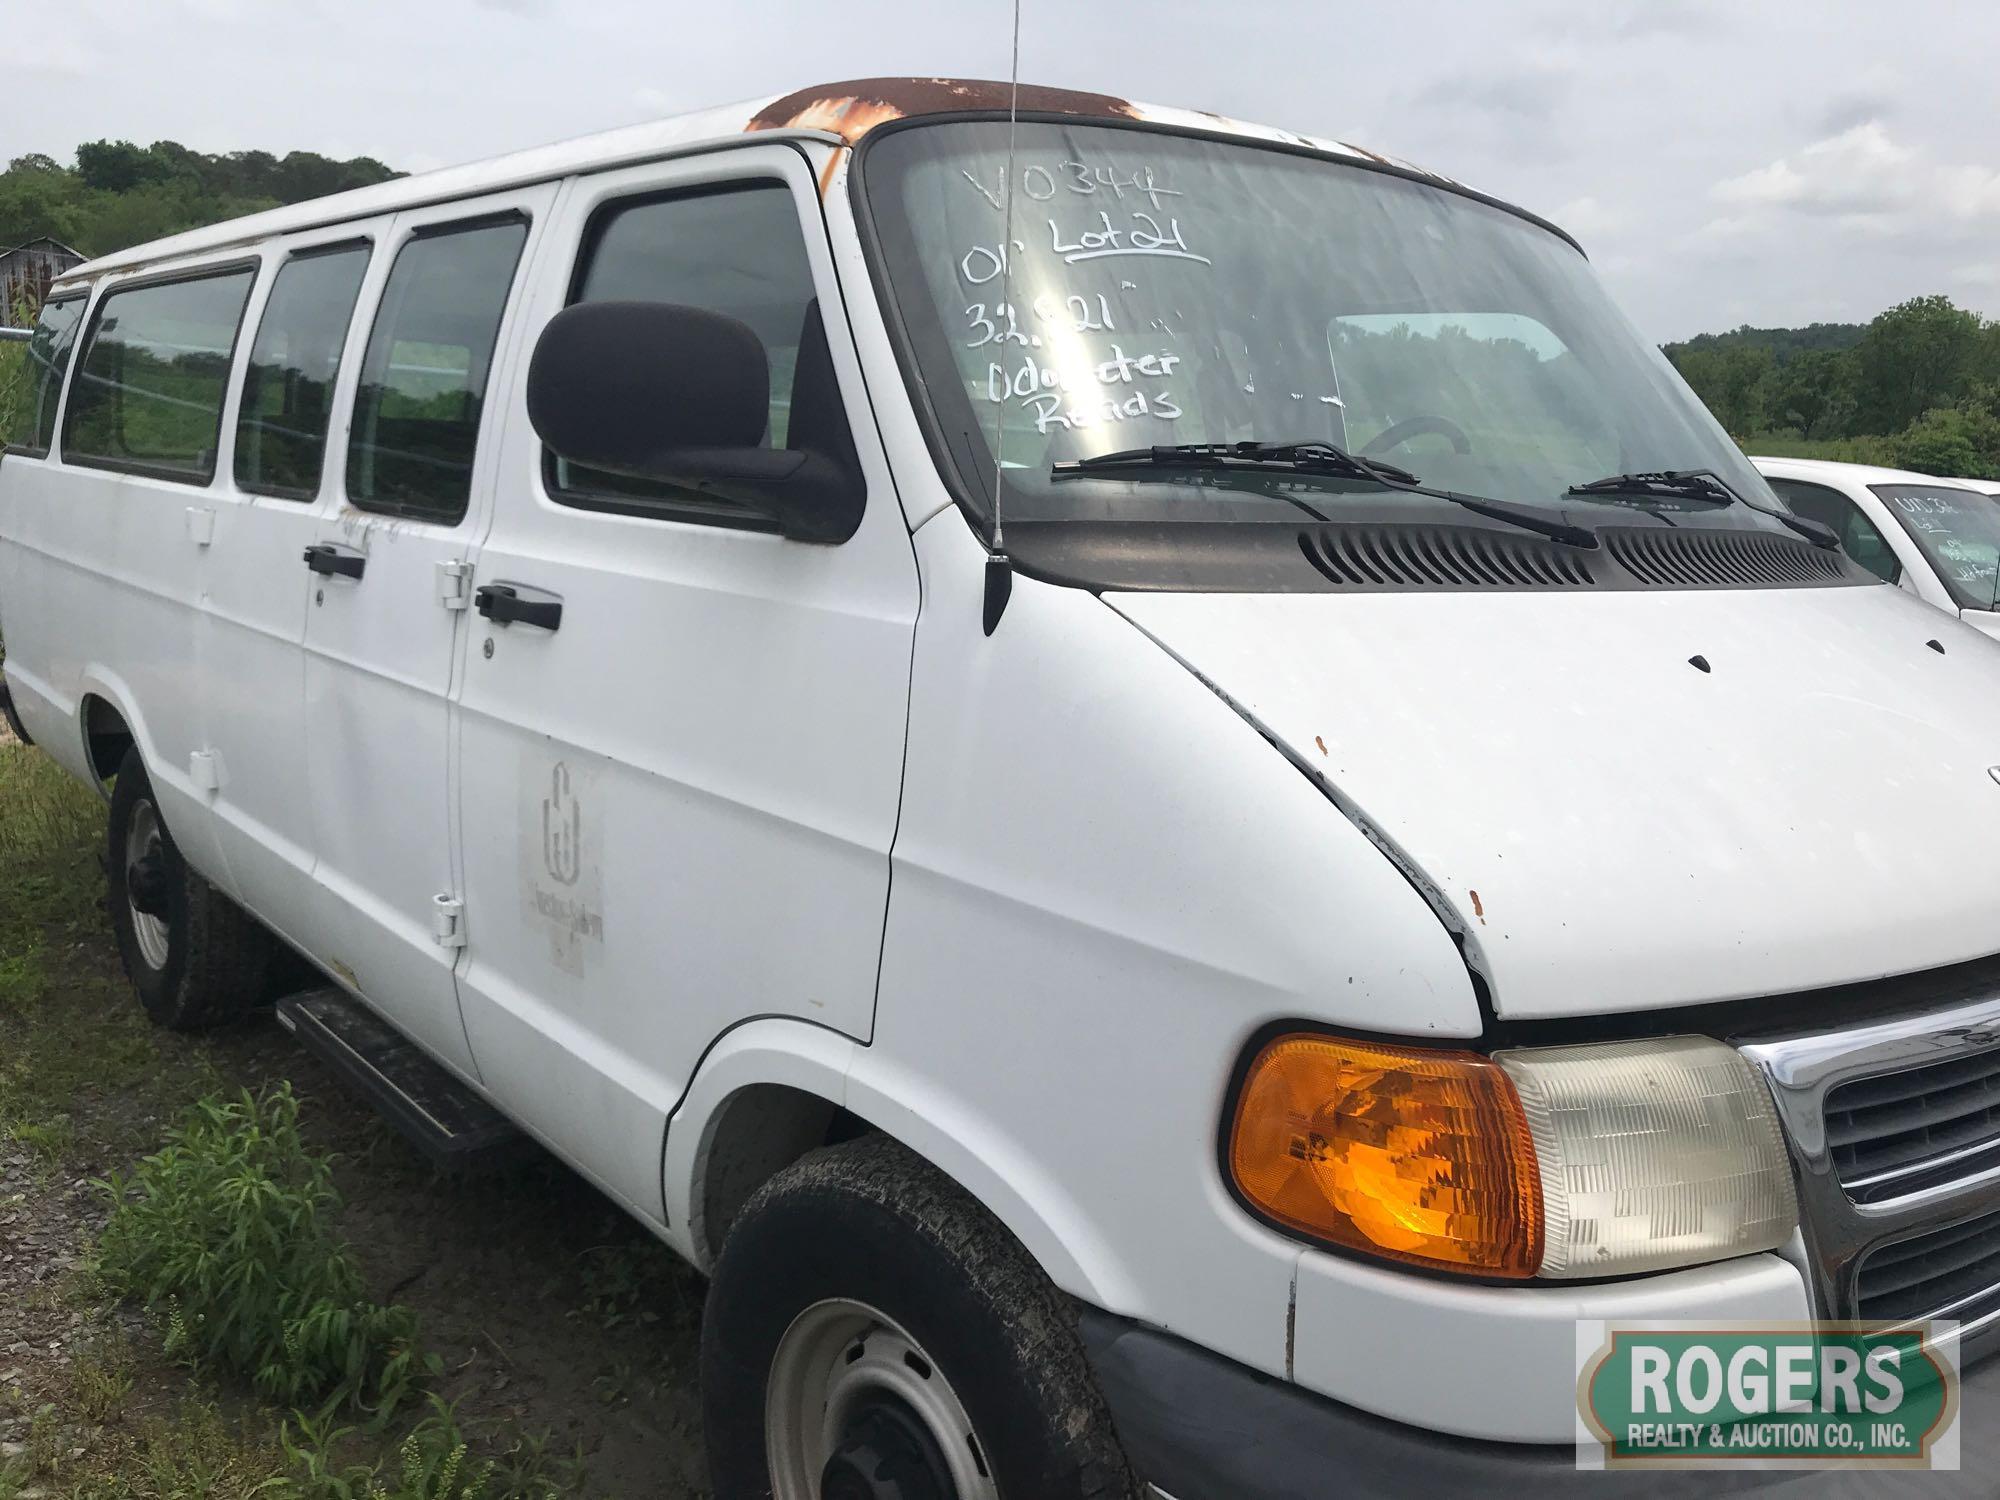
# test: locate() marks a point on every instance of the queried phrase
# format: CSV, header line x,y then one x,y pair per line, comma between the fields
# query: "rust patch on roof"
x,y
851,109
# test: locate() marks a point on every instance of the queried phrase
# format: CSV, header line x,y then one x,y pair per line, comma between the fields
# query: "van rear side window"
x,y
288,387
33,428
423,379
737,250
147,397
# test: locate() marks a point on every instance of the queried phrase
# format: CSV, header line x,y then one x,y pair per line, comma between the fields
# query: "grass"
x,y
227,1224
69,1033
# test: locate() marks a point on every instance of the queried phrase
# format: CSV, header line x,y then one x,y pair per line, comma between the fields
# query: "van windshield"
x,y
1957,530
1167,289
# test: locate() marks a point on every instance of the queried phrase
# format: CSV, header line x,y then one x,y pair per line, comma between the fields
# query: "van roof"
x,y
835,113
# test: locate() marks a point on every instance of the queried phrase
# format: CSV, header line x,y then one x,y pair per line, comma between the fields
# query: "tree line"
x,y
116,193
1916,388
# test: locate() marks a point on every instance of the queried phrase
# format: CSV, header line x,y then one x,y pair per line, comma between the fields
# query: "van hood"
x,y
1614,826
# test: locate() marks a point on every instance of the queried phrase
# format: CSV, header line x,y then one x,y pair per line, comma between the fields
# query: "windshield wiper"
x,y
1704,484
1316,456
1682,484
1310,457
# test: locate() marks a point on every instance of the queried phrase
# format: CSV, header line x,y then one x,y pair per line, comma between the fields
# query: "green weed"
x,y
228,1233
435,1462
191,1455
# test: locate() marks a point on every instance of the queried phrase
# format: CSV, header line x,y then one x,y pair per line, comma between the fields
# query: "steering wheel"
x,y
1398,433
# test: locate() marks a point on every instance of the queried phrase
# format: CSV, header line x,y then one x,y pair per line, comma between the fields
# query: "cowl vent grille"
x,y
1680,558
1373,557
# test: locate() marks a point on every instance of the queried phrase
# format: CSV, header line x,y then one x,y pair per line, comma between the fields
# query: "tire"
x,y
196,958
870,1257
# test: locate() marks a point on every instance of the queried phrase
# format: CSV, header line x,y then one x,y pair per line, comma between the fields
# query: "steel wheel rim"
x,y
145,840
836,1356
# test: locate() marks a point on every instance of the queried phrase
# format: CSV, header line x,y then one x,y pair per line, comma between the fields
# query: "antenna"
x,y
1000,571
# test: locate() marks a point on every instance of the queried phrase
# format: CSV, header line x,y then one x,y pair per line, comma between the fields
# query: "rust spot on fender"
x,y
1477,910
1321,743
853,108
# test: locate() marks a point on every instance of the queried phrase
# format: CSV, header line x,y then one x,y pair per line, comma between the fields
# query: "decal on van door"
x,y
562,857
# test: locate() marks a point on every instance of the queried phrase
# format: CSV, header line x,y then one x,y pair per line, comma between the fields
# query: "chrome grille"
x,y
1939,1274
1886,1128
1894,1130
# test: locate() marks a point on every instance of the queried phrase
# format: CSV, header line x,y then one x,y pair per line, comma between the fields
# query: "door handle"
x,y
502,603
332,560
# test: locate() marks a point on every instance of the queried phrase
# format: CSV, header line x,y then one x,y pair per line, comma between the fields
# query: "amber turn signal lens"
x,y
1420,1156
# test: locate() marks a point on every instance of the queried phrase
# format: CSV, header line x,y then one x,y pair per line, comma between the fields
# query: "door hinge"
x,y
205,771
455,584
448,921
201,524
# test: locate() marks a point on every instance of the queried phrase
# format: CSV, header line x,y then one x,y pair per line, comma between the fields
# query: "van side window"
x,y
423,377
147,397
1858,535
736,250
288,387
33,427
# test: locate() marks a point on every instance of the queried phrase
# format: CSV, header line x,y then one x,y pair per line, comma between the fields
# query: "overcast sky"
x,y
1767,161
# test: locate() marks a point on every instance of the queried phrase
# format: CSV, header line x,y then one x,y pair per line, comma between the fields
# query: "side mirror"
x,y
682,395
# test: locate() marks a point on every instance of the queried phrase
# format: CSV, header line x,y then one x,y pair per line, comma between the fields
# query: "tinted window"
x,y
40,377
1859,535
148,389
288,387
423,378
738,251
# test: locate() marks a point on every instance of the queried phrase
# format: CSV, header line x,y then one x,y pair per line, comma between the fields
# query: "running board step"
x,y
455,1129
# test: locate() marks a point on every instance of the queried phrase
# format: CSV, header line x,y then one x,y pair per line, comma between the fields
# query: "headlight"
x,y
1654,1154
1597,1160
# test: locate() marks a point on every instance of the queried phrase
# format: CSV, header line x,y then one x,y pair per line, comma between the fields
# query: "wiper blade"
x,y
1317,456
1705,484
1307,457
1682,484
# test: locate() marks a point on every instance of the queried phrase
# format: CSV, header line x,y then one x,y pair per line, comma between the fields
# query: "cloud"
x,y
1842,112
1859,171
1864,179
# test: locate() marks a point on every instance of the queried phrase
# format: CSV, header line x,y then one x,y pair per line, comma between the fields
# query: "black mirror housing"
x,y
655,390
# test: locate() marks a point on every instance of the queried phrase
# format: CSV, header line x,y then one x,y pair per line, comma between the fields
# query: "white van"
x,y
1147,779
1937,538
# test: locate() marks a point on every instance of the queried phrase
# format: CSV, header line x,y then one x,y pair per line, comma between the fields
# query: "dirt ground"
x,y
558,1320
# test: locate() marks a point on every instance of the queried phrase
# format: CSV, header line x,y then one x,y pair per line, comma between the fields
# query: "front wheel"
x,y
872,1333
196,958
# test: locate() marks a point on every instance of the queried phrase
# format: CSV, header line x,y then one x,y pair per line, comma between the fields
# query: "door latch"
x,y
448,921
201,524
455,585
